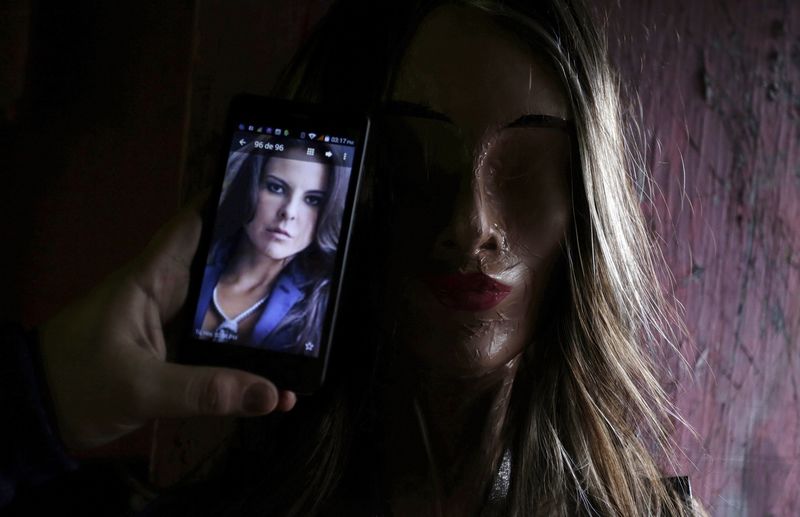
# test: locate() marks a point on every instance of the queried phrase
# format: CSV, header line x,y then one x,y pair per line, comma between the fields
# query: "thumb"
x,y
184,391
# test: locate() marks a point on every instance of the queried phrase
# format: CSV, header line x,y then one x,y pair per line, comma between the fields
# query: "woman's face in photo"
x,y
288,203
480,209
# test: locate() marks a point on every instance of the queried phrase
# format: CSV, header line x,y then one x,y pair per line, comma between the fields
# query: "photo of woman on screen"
x,y
268,273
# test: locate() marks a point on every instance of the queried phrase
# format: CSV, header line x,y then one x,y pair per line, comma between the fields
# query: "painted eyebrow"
x,y
413,109
544,121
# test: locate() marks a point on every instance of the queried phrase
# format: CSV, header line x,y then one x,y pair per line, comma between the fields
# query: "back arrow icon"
x,y
242,141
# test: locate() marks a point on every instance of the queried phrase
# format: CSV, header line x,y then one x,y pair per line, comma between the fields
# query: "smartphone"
x,y
267,277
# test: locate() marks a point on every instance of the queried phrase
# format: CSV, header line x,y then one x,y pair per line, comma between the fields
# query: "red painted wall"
x,y
719,84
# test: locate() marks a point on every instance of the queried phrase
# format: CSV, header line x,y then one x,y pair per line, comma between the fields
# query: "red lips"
x,y
467,291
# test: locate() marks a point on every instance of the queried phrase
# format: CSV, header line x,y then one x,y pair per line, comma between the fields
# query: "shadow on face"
x,y
480,204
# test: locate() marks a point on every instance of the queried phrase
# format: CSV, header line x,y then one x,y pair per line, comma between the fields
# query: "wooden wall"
x,y
719,83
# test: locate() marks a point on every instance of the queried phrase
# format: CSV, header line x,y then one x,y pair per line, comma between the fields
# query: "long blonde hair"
x,y
592,426
589,419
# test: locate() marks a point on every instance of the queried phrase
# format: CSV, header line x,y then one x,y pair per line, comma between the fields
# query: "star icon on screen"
x,y
309,346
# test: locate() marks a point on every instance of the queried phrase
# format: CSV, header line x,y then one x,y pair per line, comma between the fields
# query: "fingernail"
x,y
256,399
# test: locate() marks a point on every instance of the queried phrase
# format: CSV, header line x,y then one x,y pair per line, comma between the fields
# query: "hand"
x,y
104,356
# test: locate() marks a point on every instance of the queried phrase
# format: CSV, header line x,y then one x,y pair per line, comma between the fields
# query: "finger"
x,y
164,268
182,391
286,401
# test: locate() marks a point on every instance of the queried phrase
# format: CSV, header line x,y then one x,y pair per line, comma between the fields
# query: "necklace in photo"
x,y
228,330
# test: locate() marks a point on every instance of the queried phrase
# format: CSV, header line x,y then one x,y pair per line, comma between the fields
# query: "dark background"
x,y
111,112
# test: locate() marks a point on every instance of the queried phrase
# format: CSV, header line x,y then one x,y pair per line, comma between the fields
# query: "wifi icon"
x,y
312,136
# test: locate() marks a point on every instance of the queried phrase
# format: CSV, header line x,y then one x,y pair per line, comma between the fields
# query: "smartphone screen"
x,y
273,261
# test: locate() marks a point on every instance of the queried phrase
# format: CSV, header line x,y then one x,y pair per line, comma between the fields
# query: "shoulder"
x,y
297,272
